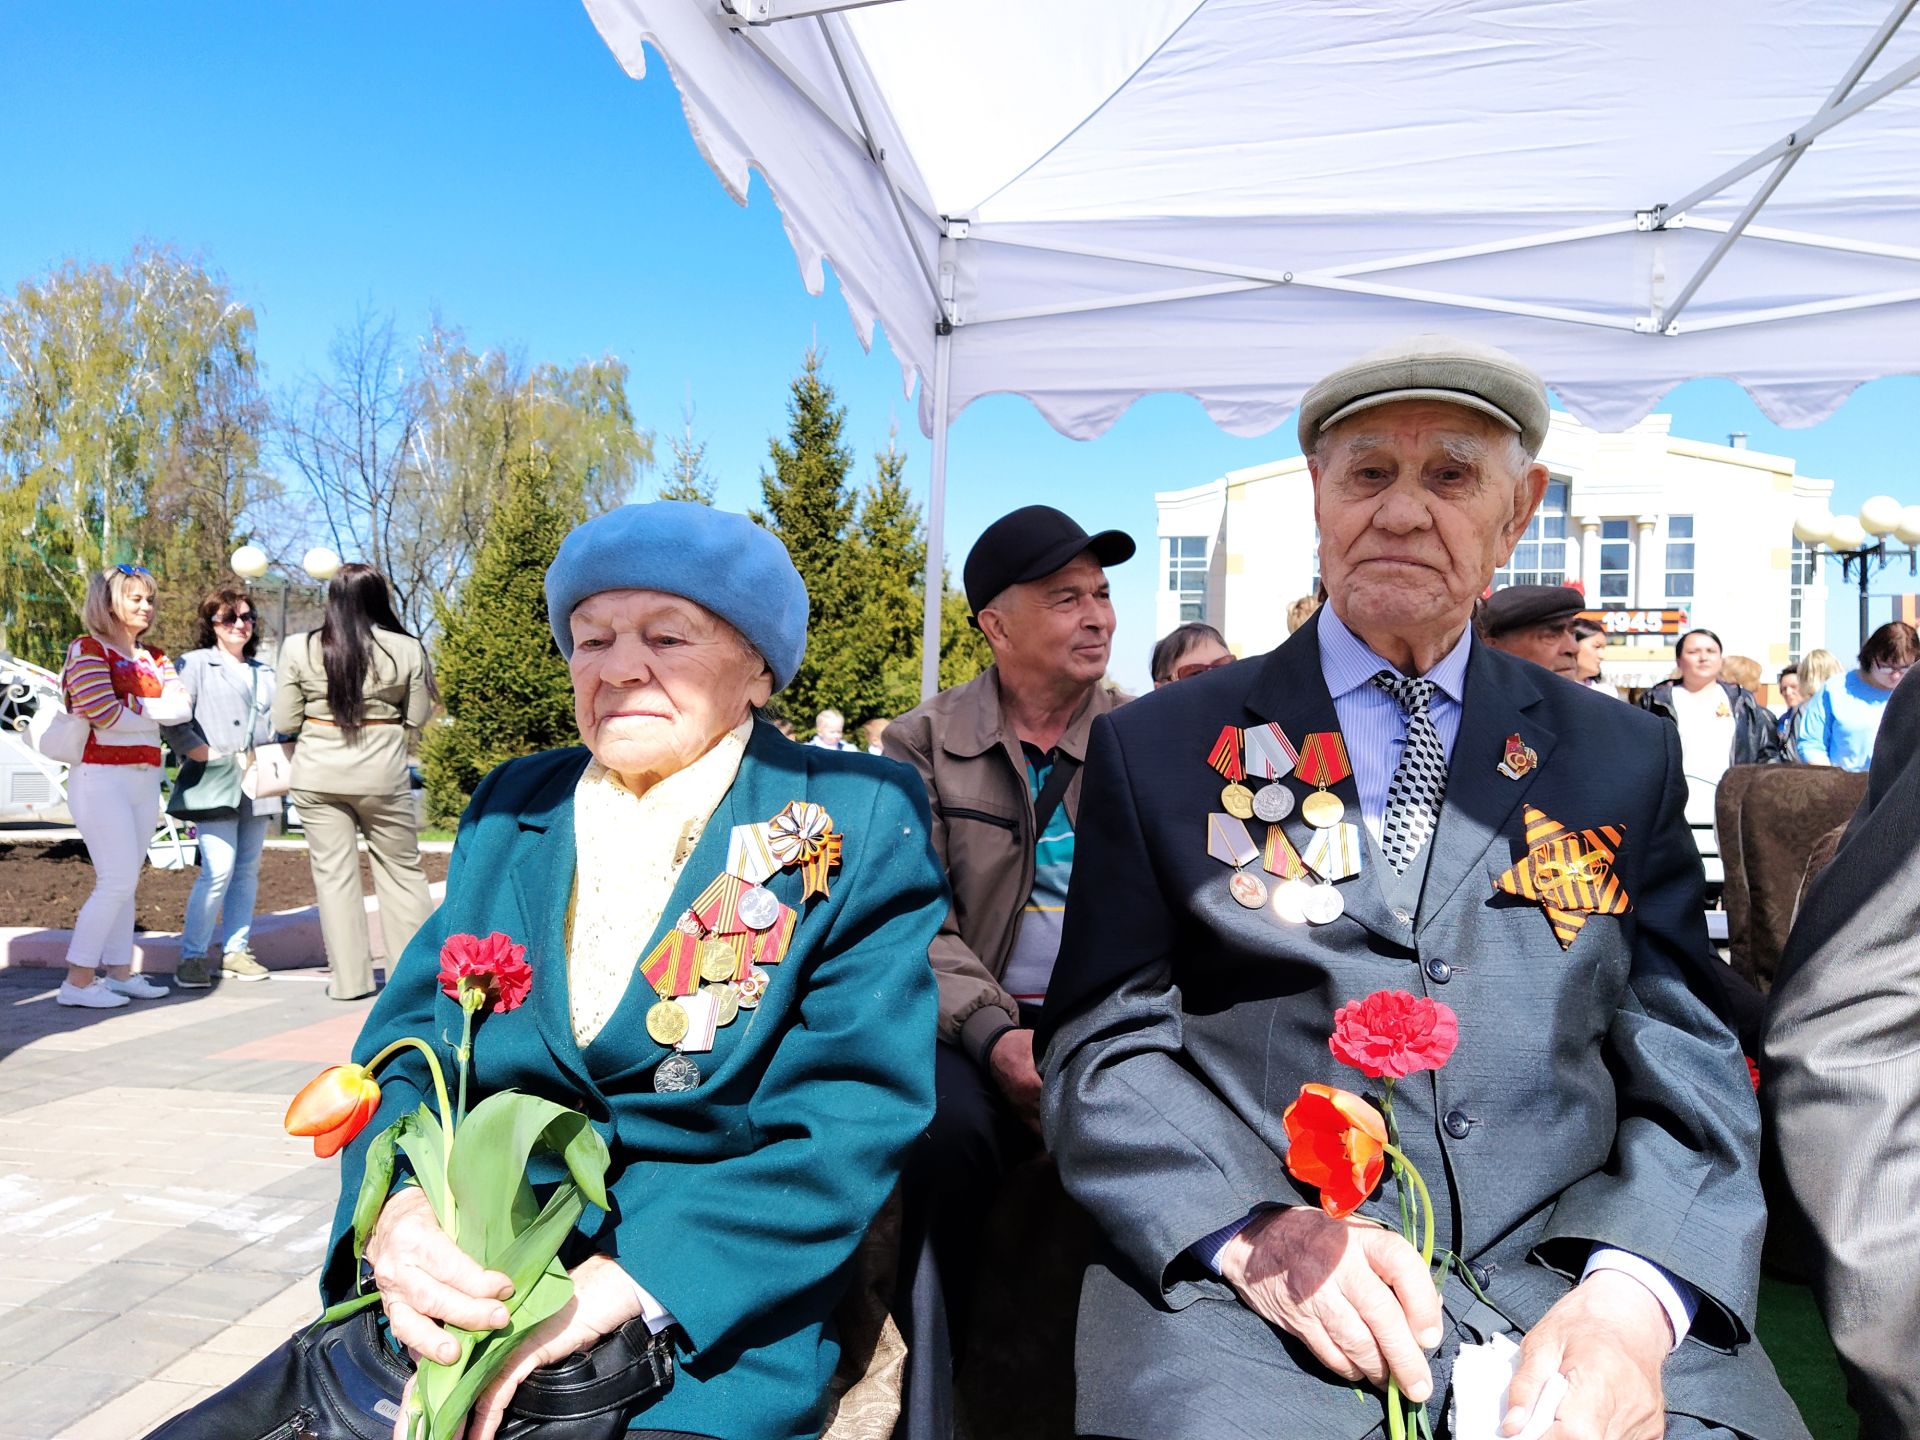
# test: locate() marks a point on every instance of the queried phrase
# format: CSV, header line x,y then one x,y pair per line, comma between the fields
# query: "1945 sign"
x,y
1638,622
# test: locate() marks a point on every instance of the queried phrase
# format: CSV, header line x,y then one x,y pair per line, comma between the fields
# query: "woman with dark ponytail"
x,y
355,691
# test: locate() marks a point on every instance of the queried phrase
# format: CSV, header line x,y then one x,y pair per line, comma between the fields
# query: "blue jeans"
x,y
229,877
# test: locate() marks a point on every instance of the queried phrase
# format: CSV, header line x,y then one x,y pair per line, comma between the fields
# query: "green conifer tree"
x,y
811,508
502,679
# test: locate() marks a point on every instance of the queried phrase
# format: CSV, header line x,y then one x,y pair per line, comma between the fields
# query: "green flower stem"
x,y
1424,1205
467,995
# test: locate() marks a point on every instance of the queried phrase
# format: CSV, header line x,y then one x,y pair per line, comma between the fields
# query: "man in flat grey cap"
x,y
1404,809
1536,623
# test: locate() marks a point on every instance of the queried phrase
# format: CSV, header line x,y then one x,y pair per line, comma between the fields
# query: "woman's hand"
x,y
424,1278
605,1297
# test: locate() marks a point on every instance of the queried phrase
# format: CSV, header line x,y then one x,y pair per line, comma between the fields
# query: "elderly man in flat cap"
x,y
1537,623
1386,804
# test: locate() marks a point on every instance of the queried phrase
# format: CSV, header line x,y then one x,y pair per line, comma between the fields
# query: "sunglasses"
x,y
246,619
1200,667
140,570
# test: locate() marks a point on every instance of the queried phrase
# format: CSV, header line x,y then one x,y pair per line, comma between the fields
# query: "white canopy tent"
x,y
1085,201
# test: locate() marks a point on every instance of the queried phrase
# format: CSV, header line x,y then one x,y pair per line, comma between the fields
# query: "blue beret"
x,y
712,557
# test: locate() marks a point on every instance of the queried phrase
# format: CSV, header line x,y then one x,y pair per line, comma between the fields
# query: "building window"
x,y
1680,561
1803,570
1541,556
1187,574
1616,562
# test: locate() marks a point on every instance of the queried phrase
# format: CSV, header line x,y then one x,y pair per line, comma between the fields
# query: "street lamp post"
x,y
1860,543
250,562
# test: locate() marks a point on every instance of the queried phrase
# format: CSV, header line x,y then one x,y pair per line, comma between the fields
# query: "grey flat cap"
x,y
1517,607
1432,367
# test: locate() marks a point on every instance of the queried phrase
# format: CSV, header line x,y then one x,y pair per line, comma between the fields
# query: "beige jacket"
x,y
399,700
976,779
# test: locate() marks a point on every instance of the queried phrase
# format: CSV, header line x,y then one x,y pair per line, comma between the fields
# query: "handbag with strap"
x,y
205,787
269,771
58,734
343,1382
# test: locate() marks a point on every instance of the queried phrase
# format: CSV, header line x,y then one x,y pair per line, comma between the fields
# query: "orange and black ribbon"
x,y
1323,759
1280,858
1569,873
717,908
1225,756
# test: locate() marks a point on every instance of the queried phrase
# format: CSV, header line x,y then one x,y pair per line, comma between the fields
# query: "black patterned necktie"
x,y
1420,780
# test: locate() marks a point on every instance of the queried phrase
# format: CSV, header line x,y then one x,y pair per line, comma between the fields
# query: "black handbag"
x,y
343,1382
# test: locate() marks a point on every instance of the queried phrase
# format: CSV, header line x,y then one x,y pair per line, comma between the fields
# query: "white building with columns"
x,y
1662,533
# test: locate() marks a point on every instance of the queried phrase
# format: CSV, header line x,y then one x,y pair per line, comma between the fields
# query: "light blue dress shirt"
x,y
1374,726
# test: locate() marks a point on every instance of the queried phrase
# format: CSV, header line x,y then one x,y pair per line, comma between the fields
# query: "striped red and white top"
x,y
108,691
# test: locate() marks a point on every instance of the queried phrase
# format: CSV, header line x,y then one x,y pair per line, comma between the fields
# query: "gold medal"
x,y
1237,801
667,1023
726,1004
718,961
1322,809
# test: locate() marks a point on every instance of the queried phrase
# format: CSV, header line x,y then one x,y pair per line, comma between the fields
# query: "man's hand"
x,y
424,1277
1010,1062
1355,1295
1609,1337
605,1297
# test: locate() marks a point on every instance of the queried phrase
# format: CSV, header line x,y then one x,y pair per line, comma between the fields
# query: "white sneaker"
x,y
135,987
92,997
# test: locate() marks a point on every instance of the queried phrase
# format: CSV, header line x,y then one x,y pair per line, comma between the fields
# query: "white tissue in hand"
x,y
1481,1376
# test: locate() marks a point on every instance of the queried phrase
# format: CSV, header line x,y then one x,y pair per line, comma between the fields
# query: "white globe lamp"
x,y
1847,533
1880,516
1908,530
321,563
249,562
1812,527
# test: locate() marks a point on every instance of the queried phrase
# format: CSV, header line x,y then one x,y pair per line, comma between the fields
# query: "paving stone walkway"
x,y
158,1231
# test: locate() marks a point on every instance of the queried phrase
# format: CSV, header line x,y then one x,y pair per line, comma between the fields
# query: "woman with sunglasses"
x,y
125,692
232,713
355,691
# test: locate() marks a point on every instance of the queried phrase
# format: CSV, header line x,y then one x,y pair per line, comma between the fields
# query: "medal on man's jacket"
x,y
1323,762
1236,799
1270,755
1229,843
1570,873
1518,760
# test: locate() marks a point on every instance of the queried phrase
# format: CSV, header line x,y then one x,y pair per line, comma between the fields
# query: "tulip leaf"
x,y
376,1180
534,1248
449,1392
344,1309
490,1163
421,1138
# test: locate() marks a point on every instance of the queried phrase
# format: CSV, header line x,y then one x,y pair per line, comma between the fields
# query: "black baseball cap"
x,y
1517,607
1031,543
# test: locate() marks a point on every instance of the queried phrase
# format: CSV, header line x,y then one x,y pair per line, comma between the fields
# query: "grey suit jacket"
x,y
1841,1080
1594,1096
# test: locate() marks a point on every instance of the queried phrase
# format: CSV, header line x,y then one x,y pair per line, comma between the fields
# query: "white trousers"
x,y
116,808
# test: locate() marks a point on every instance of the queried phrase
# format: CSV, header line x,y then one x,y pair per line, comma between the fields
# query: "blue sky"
x,y
492,161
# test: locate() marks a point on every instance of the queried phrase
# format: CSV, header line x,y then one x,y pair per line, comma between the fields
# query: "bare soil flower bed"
x,y
45,885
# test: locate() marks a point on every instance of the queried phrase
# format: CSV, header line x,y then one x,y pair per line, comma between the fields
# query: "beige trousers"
x,y
333,824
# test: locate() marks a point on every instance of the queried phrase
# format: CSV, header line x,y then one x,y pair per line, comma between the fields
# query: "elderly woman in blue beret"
x,y
757,1122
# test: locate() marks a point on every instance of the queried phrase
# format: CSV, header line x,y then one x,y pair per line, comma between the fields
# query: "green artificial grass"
x,y
1796,1341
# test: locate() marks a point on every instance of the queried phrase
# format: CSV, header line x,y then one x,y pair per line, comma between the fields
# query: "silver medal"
x,y
675,1073
1323,904
1273,803
1289,900
758,908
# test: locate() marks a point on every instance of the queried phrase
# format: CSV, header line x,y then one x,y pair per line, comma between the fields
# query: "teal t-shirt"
x,y
1838,726
1036,943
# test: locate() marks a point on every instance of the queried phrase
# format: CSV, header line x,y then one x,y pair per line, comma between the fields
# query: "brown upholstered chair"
x,y
1770,819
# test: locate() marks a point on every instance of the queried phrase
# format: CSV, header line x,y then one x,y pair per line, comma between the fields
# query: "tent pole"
x,y
936,577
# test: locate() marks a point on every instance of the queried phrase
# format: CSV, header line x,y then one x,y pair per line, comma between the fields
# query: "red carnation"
x,y
1753,1072
495,967
1392,1034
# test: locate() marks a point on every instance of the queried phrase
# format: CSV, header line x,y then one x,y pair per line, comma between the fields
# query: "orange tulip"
x,y
333,1107
1337,1143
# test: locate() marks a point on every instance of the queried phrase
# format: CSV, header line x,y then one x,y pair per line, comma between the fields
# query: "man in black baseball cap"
x,y
1000,757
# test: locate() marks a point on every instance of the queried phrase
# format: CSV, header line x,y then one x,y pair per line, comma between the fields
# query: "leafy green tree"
x,y
502,679
130,430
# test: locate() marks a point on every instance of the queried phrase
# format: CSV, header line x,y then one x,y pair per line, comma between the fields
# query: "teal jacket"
x,y
737,1204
